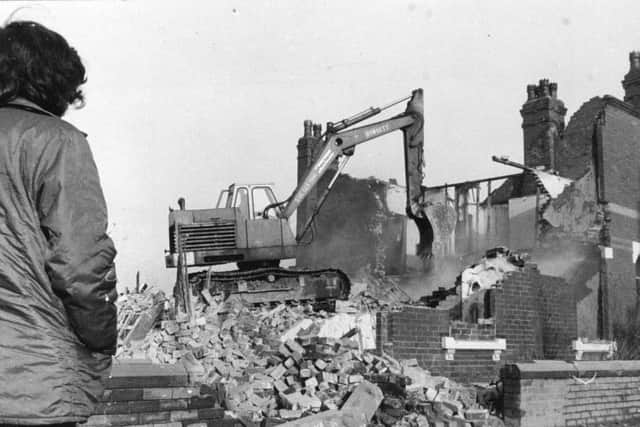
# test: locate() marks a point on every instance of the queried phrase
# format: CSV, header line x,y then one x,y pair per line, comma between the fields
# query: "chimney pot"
x,y
307,128
553,89
634,60
631,81
531,92
544,87
317,130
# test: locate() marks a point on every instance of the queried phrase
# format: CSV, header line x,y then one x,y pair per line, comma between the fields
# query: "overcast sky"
x,y
185,97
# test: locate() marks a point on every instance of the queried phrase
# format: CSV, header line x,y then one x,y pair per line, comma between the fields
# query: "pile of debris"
x,y
490,270
138,312
374,291
288,362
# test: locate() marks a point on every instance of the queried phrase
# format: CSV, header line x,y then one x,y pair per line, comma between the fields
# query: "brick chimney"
x,y
306,155
542,124
631,82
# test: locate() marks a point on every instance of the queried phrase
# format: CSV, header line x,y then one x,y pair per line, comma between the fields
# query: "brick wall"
x,y
562,394
574,152
471,331
620,156
516,312
416,332
620,159
139,393
604,135
620,278
535,313
559,318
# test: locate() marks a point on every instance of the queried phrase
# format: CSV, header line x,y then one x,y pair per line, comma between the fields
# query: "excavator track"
x,y
274,285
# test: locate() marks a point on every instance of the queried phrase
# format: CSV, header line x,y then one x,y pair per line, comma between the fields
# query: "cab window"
x,y
242,201
222,199
262,197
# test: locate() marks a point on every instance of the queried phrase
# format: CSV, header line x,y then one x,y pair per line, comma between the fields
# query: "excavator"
x,y
250,227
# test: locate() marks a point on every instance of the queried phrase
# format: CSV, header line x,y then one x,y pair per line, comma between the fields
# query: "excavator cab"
x,y
251,199
234,231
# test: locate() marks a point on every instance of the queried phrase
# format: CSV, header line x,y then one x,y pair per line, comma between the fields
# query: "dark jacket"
x,y
57,279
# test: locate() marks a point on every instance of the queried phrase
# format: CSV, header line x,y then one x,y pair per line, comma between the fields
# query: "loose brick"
x,y
190,414
157,393
97,420
155,417
202,402
146,381
122,394
184,392
210,413
144,406
108,408
173,404
122,419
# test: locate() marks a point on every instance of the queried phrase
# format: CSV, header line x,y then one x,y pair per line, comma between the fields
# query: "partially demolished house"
x,y
574,207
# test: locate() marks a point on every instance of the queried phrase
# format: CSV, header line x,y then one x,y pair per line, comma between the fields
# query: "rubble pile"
x,y
138,313
426,399
375,291
287,362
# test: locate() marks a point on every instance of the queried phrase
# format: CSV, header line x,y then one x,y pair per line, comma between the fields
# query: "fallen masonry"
x,y
291,364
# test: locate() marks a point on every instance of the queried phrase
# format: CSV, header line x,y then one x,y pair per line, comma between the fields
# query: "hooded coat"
x,y
57,278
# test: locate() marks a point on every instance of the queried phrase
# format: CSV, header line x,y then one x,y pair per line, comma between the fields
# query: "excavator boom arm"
x,y
411,122
337,145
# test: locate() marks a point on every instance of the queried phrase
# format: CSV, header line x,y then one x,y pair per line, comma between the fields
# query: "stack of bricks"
x,y
139,393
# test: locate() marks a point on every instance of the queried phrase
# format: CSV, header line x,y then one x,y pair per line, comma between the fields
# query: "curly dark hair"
x,y
39,65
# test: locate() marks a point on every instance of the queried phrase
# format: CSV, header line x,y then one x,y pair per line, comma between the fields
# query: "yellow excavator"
x,y
250,227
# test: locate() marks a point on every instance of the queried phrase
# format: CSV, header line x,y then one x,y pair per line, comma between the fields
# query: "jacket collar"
x,y
27,103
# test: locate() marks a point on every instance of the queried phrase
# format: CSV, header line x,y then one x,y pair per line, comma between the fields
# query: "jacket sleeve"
x,y
73,217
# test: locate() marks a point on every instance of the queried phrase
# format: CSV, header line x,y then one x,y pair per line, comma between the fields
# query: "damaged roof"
x,y
579,128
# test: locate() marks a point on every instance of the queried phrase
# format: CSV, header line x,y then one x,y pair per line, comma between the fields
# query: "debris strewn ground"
x,y
287,362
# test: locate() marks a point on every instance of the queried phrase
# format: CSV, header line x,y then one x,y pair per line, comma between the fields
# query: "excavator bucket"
x,y
414,174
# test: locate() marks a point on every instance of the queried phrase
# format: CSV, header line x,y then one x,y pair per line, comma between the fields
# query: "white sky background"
x,y
185,97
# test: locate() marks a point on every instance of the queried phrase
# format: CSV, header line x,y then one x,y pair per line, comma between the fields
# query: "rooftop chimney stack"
x,y
310,146
531,92
542,124
631,82
306,151
317,130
